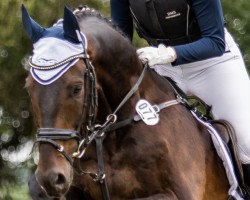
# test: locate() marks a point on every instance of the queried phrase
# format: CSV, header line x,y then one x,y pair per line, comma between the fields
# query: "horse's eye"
x,y
76,90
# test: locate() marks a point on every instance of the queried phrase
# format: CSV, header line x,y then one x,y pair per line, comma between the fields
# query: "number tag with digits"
x,y
147,112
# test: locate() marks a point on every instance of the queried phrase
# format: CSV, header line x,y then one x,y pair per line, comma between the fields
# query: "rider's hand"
x,y
156,55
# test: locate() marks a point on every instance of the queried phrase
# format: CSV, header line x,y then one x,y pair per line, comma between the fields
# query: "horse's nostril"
x,y
60,180
60,183
52,183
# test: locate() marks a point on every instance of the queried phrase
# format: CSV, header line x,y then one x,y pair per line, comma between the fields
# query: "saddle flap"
x,y
228,135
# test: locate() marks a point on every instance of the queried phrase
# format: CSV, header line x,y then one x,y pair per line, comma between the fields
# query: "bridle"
x,y
87,130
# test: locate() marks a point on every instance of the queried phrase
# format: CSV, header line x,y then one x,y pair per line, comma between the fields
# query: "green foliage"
x,y
237,16
6,192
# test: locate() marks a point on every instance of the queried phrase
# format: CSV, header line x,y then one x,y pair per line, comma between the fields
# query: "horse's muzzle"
x,y
36,191
52,183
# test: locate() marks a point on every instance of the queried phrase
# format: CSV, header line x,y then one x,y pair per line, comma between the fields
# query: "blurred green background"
x,y
17,131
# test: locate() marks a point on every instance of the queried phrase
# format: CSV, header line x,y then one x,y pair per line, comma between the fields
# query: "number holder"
x,y
147,112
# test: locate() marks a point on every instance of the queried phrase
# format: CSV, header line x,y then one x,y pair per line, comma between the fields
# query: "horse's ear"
x,y
33,29
70,25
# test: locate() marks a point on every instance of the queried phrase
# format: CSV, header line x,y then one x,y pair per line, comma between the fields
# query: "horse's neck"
x,y
117,65
118,68
153,88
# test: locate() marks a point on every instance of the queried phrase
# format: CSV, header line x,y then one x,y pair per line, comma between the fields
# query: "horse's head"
x,y
61,85
58,111
63,88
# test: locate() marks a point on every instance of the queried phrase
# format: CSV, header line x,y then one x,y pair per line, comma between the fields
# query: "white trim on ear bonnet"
x,y
52,57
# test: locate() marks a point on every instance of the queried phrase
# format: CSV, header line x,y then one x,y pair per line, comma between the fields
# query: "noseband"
x,y
49,135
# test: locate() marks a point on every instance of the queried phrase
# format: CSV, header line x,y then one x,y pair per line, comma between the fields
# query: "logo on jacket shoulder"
x,y
172,14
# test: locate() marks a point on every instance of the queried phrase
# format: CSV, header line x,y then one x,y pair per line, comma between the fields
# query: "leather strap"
x,y
101,172
55,133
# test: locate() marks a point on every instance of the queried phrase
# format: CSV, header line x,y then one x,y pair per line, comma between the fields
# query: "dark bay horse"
x,y
172,160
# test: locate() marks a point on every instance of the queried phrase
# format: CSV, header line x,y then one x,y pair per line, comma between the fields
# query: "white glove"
x,y
156,55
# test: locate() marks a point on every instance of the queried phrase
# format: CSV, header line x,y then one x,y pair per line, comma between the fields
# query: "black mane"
x,y
84,11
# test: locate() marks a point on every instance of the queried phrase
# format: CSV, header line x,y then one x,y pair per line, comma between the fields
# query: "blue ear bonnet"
x,y
55,49
67,29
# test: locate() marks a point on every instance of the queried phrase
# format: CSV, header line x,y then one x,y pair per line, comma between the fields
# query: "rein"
x,y
137,118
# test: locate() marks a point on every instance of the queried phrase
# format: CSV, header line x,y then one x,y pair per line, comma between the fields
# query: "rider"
x,y
189,43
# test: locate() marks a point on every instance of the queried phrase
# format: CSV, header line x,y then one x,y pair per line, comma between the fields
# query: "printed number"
x,y
146,109
147,112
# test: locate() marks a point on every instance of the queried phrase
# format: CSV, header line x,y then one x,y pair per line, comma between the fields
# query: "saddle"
x,y
202,112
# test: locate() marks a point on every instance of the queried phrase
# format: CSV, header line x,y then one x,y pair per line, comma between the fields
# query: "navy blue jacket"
x,y
211,22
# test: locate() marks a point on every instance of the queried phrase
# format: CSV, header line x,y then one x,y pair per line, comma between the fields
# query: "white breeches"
x,y
222,82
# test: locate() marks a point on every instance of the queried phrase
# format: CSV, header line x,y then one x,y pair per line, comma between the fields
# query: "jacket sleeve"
x,y
211,44
121,16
